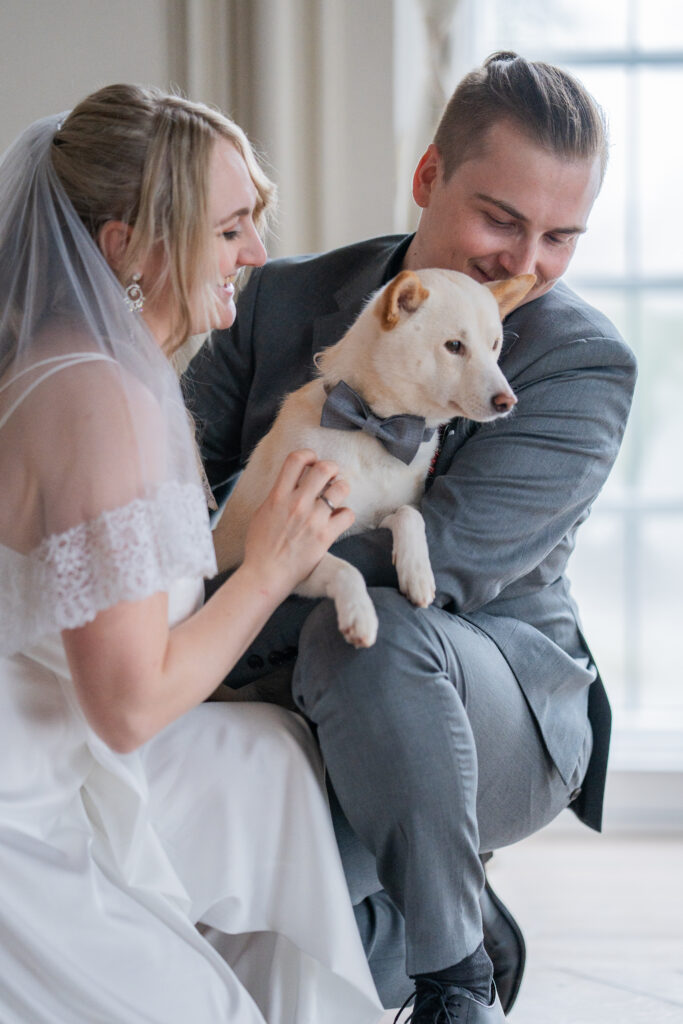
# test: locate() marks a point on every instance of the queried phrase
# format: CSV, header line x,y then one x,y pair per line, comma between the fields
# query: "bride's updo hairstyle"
x,y
142,156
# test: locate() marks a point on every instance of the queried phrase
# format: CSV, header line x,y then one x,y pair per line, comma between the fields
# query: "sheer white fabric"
x,y
102,500
125,554
195,880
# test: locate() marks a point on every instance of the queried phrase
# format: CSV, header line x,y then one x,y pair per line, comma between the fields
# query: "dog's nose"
x,y
503,401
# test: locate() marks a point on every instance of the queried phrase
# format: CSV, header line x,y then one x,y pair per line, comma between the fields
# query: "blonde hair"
x,y
141,156
548,104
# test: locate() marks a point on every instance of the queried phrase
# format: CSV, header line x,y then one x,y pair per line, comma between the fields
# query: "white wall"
x,y
310,80
54,52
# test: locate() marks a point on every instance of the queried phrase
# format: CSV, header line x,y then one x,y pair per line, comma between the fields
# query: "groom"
x,y
471,724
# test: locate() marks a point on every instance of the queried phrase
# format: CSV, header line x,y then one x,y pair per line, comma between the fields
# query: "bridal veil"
x,y
101,495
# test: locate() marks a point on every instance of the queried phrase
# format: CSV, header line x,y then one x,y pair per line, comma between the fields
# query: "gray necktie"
x,y
401,435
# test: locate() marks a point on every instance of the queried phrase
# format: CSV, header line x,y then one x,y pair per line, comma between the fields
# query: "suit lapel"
x,y
329,329
366,276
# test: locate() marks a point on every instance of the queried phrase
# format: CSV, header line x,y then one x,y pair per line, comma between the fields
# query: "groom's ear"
x,y
113,238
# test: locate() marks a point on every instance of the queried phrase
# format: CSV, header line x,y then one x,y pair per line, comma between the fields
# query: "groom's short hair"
x,y
551,107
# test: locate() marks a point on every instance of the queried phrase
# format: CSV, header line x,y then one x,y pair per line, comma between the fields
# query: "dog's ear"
x,y
508,294
406,292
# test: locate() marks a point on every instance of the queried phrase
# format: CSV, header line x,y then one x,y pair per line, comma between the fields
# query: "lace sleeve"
x,y
124,554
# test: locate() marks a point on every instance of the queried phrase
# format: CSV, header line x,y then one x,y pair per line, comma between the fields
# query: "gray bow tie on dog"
x,y
401,435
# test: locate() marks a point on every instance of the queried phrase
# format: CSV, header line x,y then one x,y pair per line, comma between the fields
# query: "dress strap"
x,y
56,363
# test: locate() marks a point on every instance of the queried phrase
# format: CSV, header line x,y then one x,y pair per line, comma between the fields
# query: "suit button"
x,y
255,661
575,795
276,657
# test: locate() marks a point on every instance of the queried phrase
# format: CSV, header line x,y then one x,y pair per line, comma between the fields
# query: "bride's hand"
x,y
294,527
133,676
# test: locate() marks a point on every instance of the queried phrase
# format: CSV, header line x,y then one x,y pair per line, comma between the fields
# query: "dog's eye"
x,y
456,347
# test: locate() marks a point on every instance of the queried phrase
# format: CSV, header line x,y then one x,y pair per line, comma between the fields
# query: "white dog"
x,y
424,349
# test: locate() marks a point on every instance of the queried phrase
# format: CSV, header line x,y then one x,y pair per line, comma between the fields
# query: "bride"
x,y
161,859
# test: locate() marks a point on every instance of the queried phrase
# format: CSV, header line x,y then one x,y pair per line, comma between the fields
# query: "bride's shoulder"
x,y
73,381
74,409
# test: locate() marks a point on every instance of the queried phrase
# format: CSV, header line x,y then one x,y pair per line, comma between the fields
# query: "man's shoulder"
x,y
563,312
367,250
358,267
561,317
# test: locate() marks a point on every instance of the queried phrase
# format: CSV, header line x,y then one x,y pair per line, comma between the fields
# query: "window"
x,y
627,572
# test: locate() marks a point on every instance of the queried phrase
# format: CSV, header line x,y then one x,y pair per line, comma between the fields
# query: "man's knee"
x,y
380,685
324,656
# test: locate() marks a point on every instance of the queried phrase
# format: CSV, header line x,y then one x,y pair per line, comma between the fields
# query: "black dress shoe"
x,y
439,1003
504,943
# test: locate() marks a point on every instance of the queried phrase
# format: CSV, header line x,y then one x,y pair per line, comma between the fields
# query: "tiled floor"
x,y
603,920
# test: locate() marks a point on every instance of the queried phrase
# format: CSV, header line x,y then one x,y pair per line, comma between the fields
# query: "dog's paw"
x,y
356,615
357,620
416,582
411,555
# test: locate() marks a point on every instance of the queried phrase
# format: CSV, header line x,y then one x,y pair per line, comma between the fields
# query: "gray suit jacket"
x,y
507,497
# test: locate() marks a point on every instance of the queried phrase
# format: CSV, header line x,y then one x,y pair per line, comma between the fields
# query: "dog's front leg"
x,y
411,555
356,615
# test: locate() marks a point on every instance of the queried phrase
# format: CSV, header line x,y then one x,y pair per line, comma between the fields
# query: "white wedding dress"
x,y
107,862
193,881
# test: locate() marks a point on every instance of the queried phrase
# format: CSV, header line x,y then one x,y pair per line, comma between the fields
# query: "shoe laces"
x,y
438,1003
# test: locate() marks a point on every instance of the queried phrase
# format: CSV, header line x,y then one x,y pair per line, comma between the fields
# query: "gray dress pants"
x,y
433,758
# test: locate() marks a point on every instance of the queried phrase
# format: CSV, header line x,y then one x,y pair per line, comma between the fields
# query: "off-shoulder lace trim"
x,y
124,554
